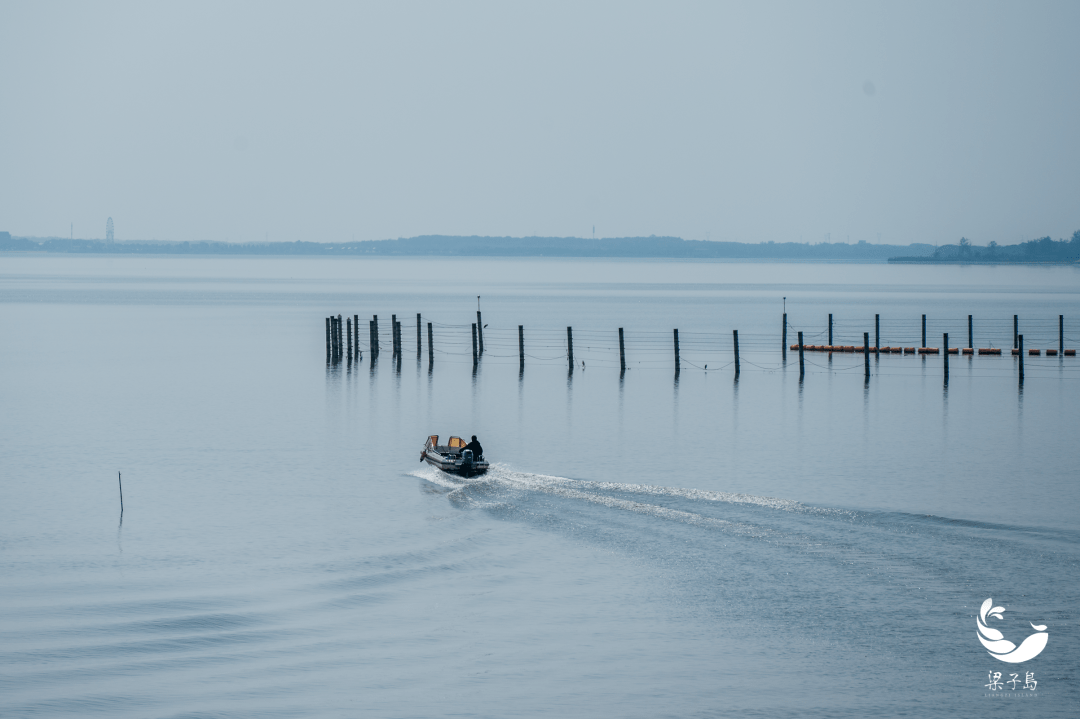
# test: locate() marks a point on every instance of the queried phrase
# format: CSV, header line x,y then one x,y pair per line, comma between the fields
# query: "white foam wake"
x,y
593,492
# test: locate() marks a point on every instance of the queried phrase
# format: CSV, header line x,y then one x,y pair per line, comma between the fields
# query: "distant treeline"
x,y
1043,249
448,246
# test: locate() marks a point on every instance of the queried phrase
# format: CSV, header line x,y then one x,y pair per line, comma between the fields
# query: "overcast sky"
x,y
915,122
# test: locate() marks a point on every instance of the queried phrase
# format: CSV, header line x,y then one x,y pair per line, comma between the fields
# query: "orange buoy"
x,y
968,351
1070,353
1034,352
1051,353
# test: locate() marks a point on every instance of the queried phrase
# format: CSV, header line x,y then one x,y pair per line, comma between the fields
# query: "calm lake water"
x,y
646,545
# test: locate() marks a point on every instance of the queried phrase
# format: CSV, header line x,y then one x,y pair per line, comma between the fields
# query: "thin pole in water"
x,y
521,347
877,335
480,330
121,483
830,329
866,353
1016,329
1020,341
783,342
1061,335
430,347
802,365
945,342
570,346
923,331
677,364
735,334
971,335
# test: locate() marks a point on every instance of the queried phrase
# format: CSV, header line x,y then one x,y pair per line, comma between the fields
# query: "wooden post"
x,y
419,344
1020,342
373,347
866,353
622,352
971,335
337,348
474,355
830,328
327,340
348,328
802,365
877,335
394,336
945,351
923,331
735,334
678,368
570,346
783,342
480,331
397,339
356,329
521,347
1016,329
430,346
1061,335
375,335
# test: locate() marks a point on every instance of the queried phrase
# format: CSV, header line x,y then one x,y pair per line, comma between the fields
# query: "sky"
x,y
758,121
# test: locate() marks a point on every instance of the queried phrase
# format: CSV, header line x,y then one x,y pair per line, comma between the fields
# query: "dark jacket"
x,y
477,450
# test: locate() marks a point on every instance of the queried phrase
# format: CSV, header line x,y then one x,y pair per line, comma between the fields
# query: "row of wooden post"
x,y
340,342
970,326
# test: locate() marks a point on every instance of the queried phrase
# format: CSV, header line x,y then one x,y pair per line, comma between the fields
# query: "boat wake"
x,y
503,487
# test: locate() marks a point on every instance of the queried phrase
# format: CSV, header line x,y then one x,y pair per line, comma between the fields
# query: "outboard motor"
x,y
467,462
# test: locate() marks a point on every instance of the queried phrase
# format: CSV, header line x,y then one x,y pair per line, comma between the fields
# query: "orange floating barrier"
x,y
909,350
1051,353
849,348
1034,352
989,350
795,347
928,350
969,351
954,350
859,349
1070,353
1015,351
897,350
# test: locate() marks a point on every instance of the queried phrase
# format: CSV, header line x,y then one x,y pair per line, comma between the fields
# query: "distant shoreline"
x,y
455,246
1043,251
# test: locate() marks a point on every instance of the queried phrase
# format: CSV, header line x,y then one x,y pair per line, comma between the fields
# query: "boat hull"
x,y
455,465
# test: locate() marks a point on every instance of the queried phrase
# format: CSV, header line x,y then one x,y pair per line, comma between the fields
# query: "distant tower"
x,y
109,231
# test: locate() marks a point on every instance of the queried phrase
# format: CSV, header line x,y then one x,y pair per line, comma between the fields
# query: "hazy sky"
x,y
752,122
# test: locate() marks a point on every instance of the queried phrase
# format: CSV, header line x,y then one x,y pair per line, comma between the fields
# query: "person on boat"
x,y
477,450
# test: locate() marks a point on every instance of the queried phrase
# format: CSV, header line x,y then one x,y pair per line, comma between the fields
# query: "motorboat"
x,y
452,457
